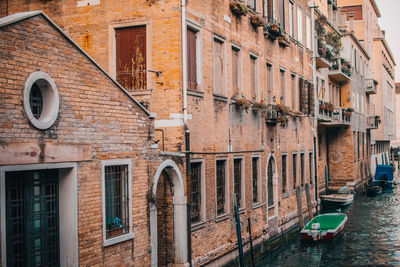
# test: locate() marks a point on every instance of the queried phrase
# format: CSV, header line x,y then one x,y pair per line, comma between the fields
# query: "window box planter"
x,y
243,103
259,106
115,232
257,20
237,8
283,41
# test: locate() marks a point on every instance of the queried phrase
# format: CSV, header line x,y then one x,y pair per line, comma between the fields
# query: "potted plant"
x,y
329,107
322,106
257,20
243,103
283,41
114,227
259,106
238,8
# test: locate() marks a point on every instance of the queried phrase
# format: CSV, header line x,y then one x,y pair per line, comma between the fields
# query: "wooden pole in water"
x,y
309,204
251,241
299,207
238,232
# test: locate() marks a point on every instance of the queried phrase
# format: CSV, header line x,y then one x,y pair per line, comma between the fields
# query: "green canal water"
x,y
371,237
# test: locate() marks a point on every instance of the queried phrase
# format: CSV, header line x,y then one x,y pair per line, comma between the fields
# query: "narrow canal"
x,y
371,237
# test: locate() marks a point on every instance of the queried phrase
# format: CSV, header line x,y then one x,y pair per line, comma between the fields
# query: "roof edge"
x,y
17,17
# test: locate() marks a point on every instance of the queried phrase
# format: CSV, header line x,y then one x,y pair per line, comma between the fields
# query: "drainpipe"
x,y
314,49
187,132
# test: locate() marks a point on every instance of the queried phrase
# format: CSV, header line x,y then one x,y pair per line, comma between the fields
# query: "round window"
x,y
41,100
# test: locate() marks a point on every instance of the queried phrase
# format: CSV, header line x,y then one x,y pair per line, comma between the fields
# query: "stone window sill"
x,y
271,207
285,195
220,98
118,239
195,93
198,225
256,205
222,217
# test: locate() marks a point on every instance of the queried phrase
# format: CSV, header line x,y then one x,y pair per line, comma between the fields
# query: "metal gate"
x,y
32,218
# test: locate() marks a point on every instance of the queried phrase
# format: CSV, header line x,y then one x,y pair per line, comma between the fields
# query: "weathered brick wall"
x,y
94,113
213,121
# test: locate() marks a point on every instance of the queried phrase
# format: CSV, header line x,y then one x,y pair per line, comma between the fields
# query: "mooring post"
x,y
309,204
299,207
238,232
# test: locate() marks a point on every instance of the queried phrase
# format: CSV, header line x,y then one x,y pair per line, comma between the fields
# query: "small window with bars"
x,y
255,179
36,101
302,169
237,177
284,176
195,191
116,200
294,171
221,186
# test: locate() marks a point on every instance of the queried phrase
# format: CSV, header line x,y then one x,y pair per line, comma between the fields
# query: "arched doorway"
x,y
168,223
272,186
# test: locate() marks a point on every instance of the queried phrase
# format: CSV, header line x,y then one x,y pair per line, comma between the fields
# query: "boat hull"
x,y
337,200
324,232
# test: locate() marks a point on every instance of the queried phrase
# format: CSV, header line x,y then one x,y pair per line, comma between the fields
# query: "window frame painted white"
x,y
130,234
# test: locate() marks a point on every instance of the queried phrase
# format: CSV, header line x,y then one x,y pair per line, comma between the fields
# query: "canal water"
x,y
371,237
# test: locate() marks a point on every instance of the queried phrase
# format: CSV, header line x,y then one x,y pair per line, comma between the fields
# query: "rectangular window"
x,y
302,169
235,72
218,67
255,169
308,32
252,4
237,180
131,57
195,191
293,87
358,145
291,19
310,167
116,200
269,8
253,77
299,25
221,172
284,176
283,85
362,144
300,104
281,13
294,161
191,59
270,83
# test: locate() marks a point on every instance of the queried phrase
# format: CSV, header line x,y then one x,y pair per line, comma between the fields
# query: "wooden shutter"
x,y
304,98
281,7
131,57
253,77
218,68
310,98
235,72
270,7
191,60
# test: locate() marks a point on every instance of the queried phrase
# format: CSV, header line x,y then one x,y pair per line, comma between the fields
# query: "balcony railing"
x,y
340,70
324,58
271,114
373,122
371,85
325,112
340,117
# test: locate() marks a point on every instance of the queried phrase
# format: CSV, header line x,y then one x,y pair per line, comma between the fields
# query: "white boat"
x,y
337,199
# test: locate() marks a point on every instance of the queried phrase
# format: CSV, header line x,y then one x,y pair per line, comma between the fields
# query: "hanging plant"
x,y
243,103
257,20
333,39
237,8
259,106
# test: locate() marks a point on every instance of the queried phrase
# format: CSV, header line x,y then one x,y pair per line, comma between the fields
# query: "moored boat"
x,y
324,227
337,199
383,176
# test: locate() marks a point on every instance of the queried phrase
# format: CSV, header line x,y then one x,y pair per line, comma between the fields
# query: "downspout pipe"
x,y
314,70
187,132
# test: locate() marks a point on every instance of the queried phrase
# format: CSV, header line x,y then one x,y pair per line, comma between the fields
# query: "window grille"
x,y
284,158
36,101
270,183
116,200
238,180
195,188
220,187
255,179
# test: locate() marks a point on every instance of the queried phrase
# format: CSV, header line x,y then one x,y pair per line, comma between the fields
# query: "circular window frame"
x,y
50,97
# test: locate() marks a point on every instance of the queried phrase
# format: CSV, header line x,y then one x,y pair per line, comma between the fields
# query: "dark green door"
x,y
32,225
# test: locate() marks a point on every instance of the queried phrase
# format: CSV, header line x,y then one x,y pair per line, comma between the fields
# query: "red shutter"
x,y
131,57
191,60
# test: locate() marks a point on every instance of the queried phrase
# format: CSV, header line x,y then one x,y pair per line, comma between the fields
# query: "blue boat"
x,y
383,176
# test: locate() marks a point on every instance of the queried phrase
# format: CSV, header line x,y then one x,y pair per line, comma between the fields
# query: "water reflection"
x,y
371,237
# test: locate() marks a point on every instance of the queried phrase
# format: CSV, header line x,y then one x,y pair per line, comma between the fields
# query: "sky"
x,y
389,22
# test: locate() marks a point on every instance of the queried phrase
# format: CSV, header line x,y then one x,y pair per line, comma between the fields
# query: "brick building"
x,y
198,66
76,155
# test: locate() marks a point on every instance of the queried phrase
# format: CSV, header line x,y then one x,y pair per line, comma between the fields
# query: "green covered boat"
x,y
324,227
